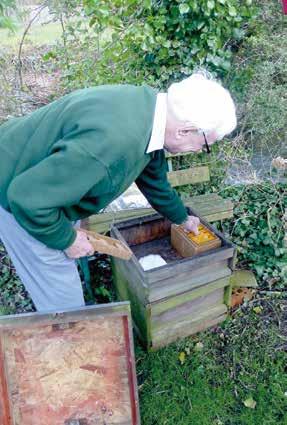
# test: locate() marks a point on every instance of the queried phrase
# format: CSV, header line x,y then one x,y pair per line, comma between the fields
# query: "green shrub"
x,y
257,229
150,41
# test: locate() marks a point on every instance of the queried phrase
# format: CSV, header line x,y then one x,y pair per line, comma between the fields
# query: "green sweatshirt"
x,y
71,158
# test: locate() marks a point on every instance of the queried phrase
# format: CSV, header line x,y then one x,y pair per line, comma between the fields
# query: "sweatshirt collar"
x,y
159,123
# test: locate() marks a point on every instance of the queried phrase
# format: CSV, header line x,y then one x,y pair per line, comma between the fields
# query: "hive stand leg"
x,y
84,266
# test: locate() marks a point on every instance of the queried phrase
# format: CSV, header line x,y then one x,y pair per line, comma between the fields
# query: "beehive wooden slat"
x,y
178,300
139,307
185,265
190,326
204,276
190,308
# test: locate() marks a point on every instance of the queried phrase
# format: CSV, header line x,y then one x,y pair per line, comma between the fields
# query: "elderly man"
x,y
73,157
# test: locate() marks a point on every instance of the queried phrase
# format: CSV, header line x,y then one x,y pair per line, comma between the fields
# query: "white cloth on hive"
x,y
151,261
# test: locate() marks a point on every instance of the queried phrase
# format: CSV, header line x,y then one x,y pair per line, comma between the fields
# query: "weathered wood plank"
x,y
191,308
202,199
189,176
174,325
129,272
188,282
144,231
118,216
188,265
140,312
210,207
104,224
219,216
82,313
173,302
190,326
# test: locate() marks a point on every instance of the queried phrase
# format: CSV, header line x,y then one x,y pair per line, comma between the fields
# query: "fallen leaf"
x,y
249,402
240,295
198,346
181,357
257,310
187,350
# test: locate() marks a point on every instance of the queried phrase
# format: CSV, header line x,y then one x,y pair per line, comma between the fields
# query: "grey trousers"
x,y
50,277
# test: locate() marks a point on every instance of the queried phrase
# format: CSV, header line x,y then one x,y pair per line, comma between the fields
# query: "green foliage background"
x,y
156,42
5,21
257,229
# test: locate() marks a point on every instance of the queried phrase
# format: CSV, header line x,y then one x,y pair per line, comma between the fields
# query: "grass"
x,y
38,35
221,370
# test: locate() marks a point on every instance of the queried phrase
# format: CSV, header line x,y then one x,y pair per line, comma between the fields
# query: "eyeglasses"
x,y
206,147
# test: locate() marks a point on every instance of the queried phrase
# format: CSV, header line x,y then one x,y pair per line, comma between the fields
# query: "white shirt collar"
x,y
159,123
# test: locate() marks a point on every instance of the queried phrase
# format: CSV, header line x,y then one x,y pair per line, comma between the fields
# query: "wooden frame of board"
x,y
75,367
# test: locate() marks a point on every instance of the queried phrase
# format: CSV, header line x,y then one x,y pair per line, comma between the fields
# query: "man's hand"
x,y
81,246
191,224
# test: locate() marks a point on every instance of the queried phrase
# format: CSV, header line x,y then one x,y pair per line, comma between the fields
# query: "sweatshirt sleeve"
x,y
38,195
153,183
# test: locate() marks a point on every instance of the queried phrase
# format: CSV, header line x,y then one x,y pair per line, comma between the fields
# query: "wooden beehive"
x,y
180,298
72,368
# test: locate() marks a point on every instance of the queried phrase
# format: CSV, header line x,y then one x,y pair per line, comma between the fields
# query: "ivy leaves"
x,y
158,42
258,230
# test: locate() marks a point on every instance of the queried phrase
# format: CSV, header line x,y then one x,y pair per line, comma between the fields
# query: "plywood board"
x,y
76,368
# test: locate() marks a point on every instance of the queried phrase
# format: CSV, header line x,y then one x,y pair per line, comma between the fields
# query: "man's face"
x,y
187,139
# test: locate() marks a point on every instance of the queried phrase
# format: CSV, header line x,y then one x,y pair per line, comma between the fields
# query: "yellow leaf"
x,y
257,310
249,402
181,357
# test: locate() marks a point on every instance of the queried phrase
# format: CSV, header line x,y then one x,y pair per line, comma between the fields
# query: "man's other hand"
x,y
191,224
81,247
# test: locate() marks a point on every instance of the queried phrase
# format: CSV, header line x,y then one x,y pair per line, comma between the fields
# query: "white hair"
x,y
204,103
